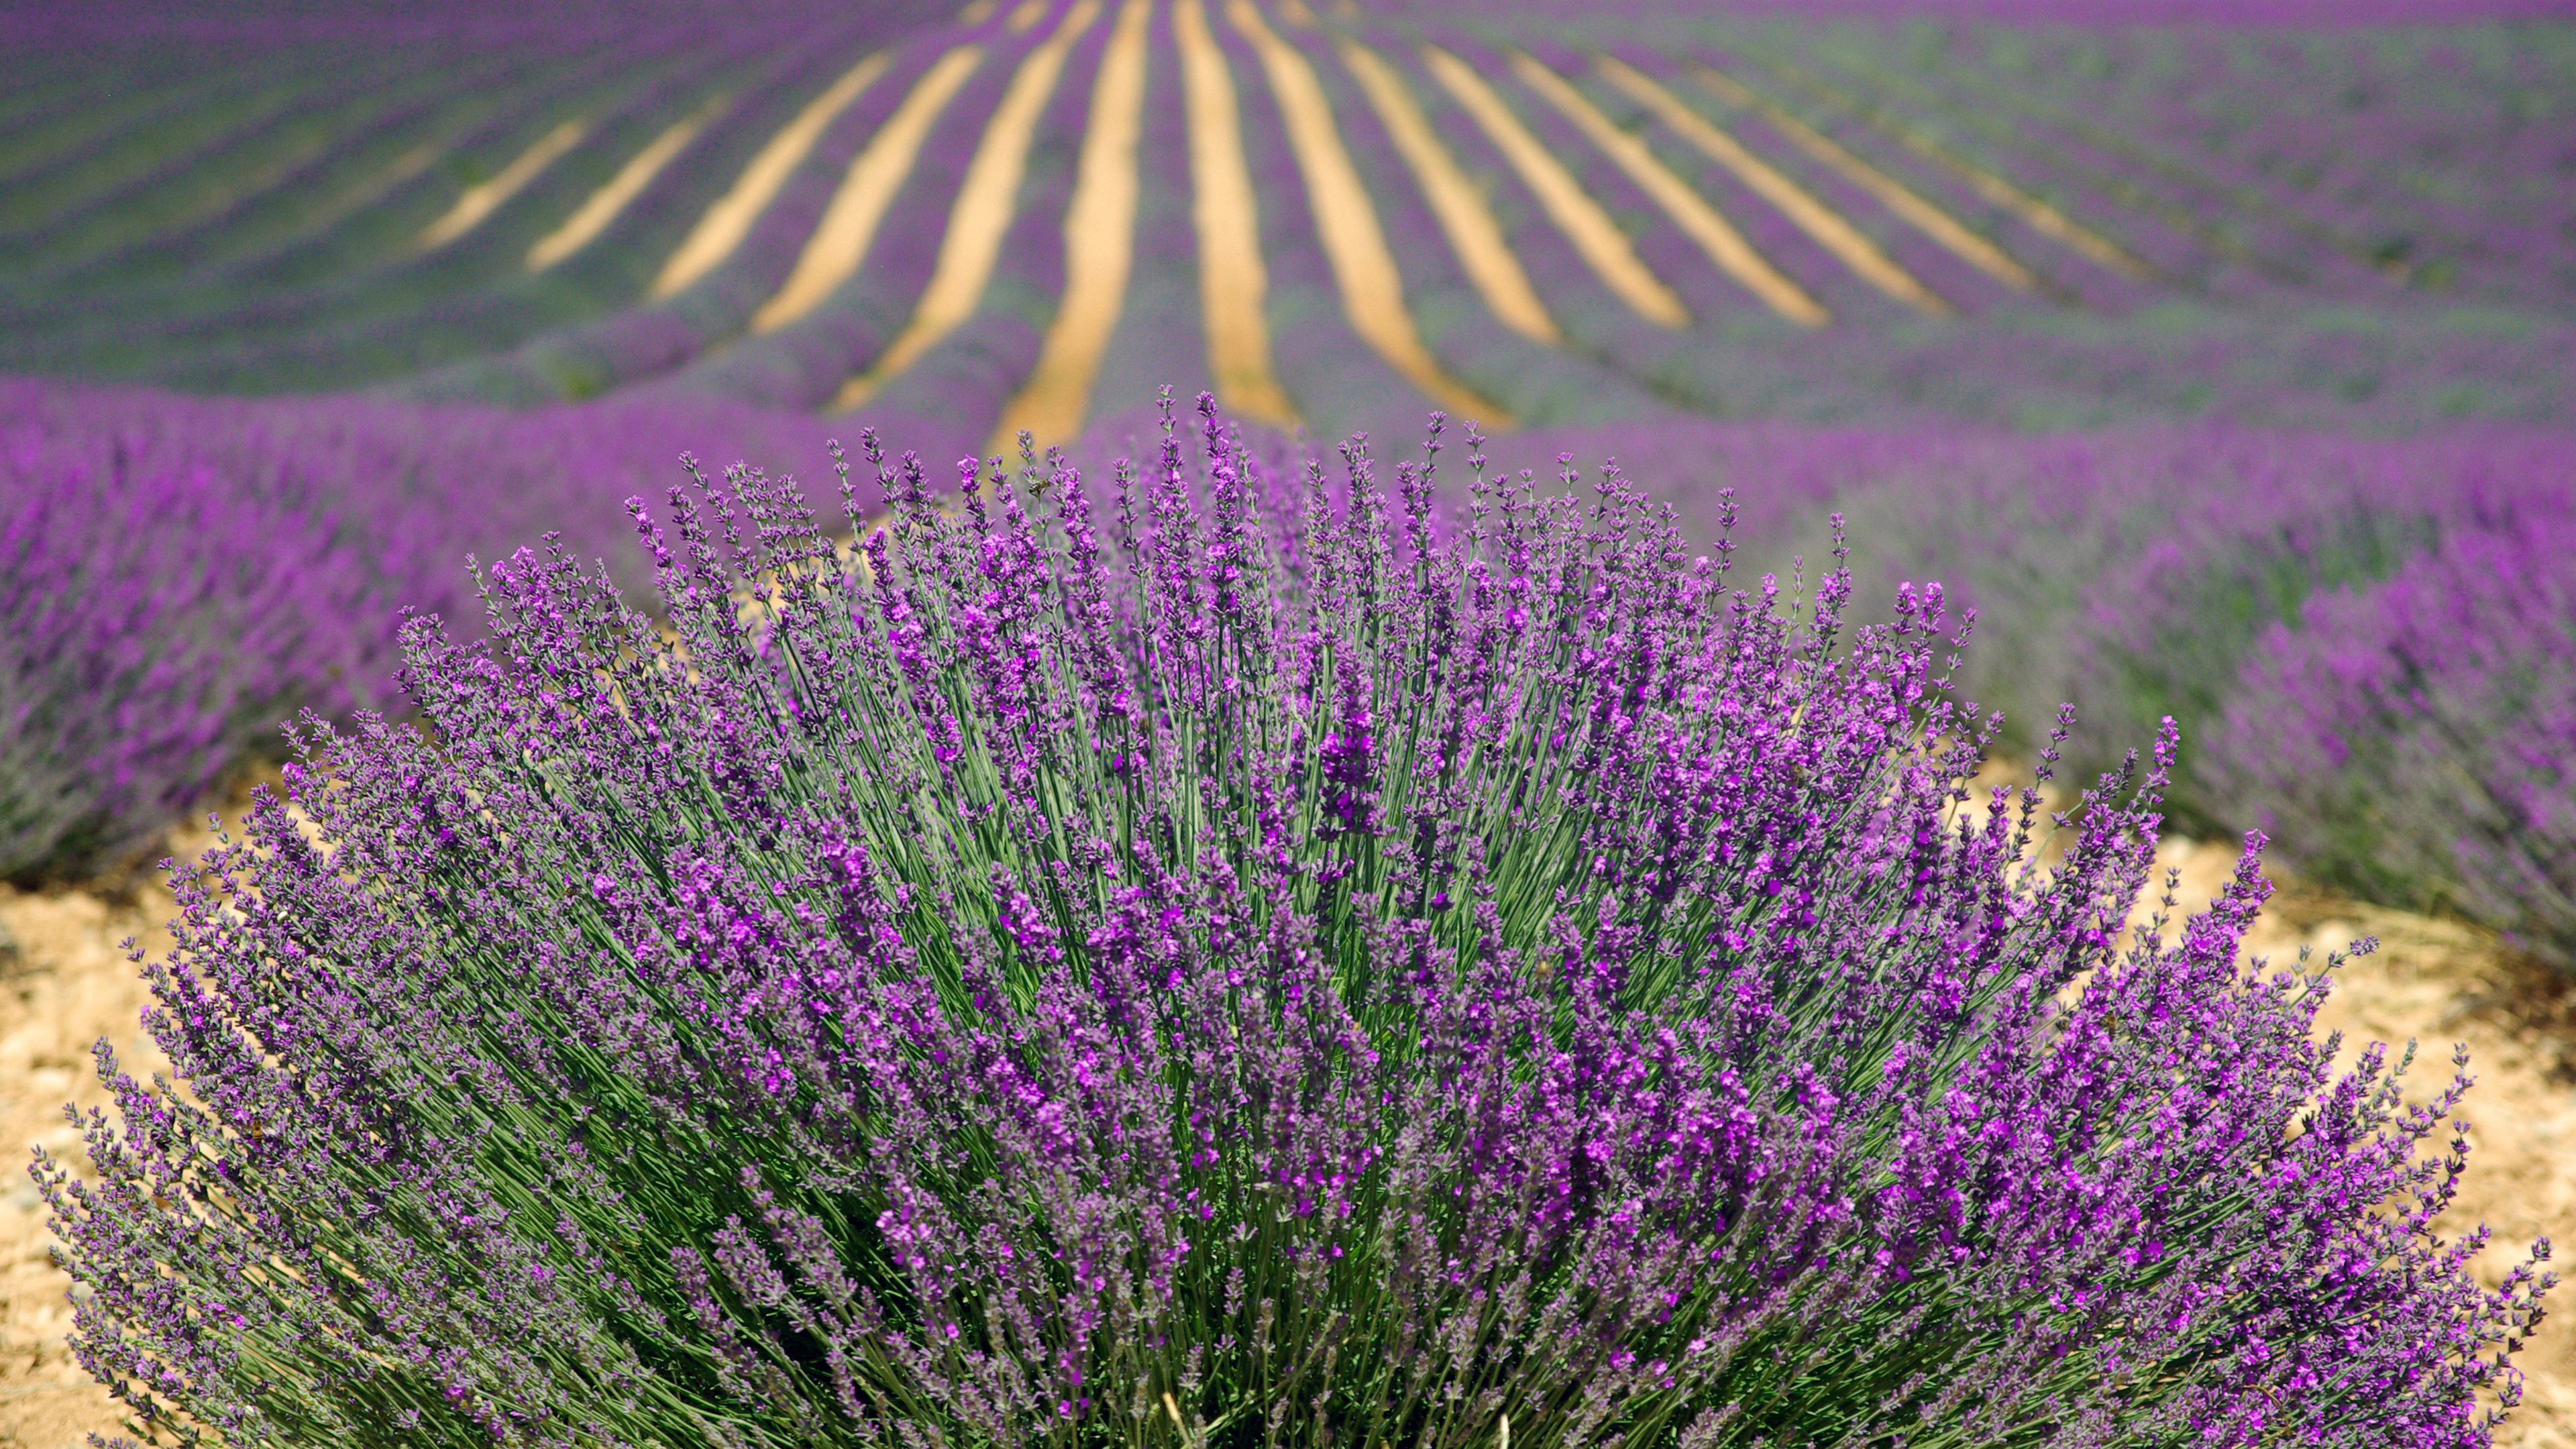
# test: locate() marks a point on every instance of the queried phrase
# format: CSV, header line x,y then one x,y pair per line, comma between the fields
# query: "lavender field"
x,y
1440,881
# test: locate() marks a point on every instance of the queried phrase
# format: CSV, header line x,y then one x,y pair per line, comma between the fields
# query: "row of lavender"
x,y
178,576
2386,358
2308,279
261,217
2371,643
2367,641
2368,351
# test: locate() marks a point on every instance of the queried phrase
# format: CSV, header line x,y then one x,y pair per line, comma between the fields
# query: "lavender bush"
x,y
1255,968
2418,738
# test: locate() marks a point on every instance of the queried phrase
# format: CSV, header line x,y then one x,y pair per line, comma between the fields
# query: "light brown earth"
x,y
69,983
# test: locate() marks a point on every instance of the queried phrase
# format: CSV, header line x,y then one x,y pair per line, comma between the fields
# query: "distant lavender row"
x,y
178,575
2137,573
2357,163
488,21
2133,572
2418,738
2348,228
153,617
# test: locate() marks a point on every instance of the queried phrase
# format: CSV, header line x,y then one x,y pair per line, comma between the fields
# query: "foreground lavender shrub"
x,y
1273,974
2418,737
154,621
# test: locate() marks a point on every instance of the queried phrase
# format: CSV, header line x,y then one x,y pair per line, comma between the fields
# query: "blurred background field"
x,y
2221,356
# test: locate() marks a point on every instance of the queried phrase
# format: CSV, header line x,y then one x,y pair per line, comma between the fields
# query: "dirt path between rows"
x,y
67,983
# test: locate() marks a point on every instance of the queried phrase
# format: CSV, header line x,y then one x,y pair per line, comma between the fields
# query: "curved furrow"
x,y
423,299
1726,355
1600,322
1768,224
41,93
1161,336
721,229
1365,271
2226,240
478,201
182,200
2159,243
639,336
1234,280
1336,382
1971,289
1907,204
1894,143
904,171
353,166
602,207
1586,224
987,204
1466,219
969,340
133,331
840,242
34,208
1543,382
1705,296
2261,205
1850,246
1697,217
1054,400
697,338
378,237
96,137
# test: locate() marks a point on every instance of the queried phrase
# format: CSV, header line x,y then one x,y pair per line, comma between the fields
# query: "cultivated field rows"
x,y
1032,206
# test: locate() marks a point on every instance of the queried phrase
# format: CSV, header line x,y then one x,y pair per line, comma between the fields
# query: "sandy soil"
x,y
66,986
67,983
2438,983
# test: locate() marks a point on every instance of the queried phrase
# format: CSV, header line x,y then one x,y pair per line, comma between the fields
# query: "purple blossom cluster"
x,y
2418,736
1233,963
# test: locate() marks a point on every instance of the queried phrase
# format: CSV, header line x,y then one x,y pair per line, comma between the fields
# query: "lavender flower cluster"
x,y
1243,964
2418,737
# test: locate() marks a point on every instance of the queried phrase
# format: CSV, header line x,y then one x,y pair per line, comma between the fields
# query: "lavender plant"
x,y
2416,740
1255,967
